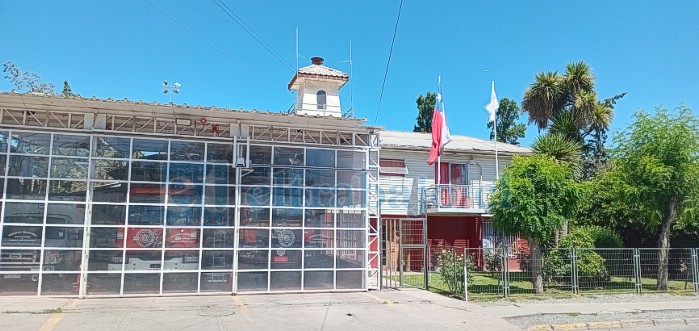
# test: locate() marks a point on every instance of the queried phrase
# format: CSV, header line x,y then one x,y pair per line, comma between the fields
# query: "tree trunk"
x,y
536,263
562,233
664,244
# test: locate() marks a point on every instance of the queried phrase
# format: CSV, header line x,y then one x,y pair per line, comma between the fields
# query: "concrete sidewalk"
x,y
385,310
405,309
567,315
531,308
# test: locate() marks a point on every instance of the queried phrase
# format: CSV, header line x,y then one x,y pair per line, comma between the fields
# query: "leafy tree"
x,y
425,109
564,150
67,91
508,128
30,80
657,158
568,104
534,197
603,203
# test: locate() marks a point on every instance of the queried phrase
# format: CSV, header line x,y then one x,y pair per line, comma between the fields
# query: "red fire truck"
x,y
27,240
141,239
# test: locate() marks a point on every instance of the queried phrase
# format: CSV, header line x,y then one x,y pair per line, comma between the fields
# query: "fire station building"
x,y
115,197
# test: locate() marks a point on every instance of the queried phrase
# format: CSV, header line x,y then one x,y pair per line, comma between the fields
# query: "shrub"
x,y
590,265
602,237
451,270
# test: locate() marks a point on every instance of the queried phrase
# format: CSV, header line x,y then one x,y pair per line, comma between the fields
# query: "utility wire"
x,y
208,44
390,53
228,11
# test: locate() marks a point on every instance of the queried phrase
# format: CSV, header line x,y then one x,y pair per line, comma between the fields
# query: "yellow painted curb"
x,y
539,327
604,325
572,326
57,317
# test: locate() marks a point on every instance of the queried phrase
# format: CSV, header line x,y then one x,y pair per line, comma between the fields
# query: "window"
x,y
493,239
452,173
390,167
321,99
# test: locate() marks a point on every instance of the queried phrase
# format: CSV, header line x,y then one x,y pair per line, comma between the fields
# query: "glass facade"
x,y
121,215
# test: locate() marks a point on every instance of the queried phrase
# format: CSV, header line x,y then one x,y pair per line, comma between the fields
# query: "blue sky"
x,y
125,49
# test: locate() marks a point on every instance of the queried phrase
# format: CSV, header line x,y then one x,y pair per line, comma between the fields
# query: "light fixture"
x,y
175,89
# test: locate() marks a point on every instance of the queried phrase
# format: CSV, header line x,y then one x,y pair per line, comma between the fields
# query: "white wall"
x,y
401,195
306,102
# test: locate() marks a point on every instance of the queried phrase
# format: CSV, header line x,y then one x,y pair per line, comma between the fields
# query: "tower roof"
x,y
318,70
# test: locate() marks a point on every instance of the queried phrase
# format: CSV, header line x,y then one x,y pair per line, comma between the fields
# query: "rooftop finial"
x,y
317,60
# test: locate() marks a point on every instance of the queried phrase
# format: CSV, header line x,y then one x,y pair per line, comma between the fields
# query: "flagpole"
x,y
438,193
492,108
495,128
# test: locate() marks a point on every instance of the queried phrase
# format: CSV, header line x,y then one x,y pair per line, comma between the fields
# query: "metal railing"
x,y
491,272
458,196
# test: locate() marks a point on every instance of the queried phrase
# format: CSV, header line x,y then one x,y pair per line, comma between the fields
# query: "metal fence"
x,y
497,272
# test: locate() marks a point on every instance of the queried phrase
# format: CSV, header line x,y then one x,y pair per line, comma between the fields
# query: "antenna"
x,y
296,74
350,112
351,79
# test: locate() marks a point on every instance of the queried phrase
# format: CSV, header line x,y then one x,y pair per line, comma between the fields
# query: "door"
x,y
403,252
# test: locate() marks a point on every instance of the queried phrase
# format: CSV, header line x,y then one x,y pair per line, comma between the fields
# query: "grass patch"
x,y
45,311
51,311
489,287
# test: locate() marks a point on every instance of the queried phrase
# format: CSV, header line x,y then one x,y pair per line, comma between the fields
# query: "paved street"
x,y
405,309
385,310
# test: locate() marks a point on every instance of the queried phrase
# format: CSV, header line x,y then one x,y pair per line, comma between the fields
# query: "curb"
x,y
623,324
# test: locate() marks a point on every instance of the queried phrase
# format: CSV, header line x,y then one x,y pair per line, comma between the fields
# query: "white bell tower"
x,y
318,89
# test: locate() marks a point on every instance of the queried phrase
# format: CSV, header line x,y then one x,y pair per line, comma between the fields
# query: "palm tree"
x,y
544,98
559,147
578,78
552,94
601,117
568,105
565,125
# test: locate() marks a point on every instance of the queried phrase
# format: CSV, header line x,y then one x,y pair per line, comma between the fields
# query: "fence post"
x,y
465,276
574,270
456,272
637,269
426,267
695,269
505,273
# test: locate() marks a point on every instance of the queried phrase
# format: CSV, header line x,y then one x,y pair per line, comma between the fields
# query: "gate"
x,y
403,252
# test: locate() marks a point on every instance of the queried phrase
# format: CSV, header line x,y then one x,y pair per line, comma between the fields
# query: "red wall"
x,y
459,231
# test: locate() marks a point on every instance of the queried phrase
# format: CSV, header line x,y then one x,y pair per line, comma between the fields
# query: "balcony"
x,y
457,199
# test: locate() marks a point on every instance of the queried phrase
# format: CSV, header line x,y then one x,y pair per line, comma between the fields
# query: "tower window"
x,y
320,99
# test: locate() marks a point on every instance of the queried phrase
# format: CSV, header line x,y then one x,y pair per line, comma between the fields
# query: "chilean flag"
x,y
440,133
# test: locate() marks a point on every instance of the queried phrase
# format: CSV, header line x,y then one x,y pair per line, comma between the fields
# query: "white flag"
x,y
493,105
446,136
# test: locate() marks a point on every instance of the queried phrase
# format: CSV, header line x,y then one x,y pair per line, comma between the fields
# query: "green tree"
x,y
29,80
603,202
568,104
67,91
534,197
425,109
508,128
559,147
657,157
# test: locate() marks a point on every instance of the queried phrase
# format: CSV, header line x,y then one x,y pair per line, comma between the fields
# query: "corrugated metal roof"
x,y
417,140
60,103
